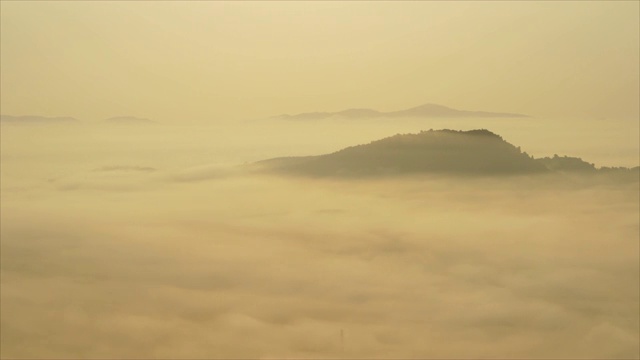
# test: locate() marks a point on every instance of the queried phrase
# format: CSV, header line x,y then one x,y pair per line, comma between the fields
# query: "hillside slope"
x,y
478,152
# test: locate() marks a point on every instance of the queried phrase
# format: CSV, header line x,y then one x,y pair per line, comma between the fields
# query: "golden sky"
x,y
212,61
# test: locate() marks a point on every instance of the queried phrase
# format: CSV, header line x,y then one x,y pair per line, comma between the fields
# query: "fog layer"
x,y
108,253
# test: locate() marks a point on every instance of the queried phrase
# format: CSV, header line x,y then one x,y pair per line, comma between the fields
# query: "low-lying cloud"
x,y
104,258
267,267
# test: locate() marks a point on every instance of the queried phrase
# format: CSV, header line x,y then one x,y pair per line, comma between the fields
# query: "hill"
x,y
475,152
446,152
566,164
422,111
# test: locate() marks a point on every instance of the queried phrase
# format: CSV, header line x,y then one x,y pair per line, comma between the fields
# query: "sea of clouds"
x,y
124,245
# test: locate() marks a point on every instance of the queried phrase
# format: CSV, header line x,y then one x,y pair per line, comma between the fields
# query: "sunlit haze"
x,y
206,62
320,180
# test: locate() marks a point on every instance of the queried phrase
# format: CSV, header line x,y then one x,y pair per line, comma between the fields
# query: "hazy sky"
x,y
211,61
152,241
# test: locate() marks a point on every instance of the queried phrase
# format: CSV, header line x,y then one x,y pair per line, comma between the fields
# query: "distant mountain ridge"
x,y
31,119
422,111
450,152
43,120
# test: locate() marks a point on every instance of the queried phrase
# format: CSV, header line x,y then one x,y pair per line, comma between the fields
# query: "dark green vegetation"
x,y
474,152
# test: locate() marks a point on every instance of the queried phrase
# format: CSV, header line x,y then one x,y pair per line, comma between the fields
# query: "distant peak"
x,y
427,110
34,119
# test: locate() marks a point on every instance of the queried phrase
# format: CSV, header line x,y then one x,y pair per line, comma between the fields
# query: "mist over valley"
x,y
139,240
319,180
